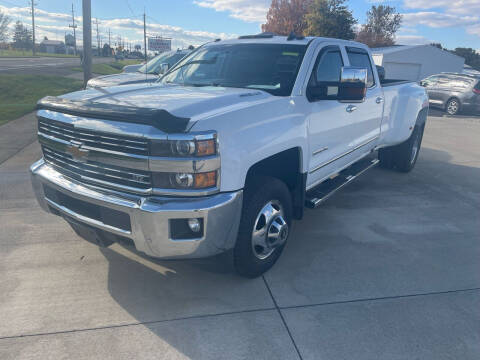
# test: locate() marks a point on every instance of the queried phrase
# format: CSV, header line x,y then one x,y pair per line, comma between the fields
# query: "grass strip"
x,y
109,68
20,93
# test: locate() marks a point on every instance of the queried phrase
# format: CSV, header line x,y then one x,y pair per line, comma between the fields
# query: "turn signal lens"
x,y
205,180
206,147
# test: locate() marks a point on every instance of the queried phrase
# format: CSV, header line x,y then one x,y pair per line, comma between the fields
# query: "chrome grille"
x,y
94,139
97,173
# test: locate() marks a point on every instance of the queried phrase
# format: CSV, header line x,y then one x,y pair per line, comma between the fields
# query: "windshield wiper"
x,y
201,84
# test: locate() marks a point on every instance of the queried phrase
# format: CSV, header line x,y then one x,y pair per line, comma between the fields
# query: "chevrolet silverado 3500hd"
x,y
226,149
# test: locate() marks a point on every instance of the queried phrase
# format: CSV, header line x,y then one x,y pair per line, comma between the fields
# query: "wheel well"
x,y
422,116
284,166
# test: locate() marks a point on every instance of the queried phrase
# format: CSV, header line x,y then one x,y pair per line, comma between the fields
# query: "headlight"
x,y
185,161
183,147
192,147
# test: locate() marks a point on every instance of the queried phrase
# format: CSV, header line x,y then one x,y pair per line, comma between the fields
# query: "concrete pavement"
x,y
387,268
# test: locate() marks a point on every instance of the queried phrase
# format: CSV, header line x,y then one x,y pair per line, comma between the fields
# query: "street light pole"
x,y
87,40
33,25
74,33
145,36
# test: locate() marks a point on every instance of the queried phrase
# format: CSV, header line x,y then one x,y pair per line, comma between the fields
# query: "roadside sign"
x,y
159,44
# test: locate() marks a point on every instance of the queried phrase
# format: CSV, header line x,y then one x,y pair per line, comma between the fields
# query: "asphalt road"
x,y
388,268
41,65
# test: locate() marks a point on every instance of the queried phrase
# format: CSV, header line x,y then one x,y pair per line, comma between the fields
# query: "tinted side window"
x,y
431,81
325,76
329,67
477,87
360,58
444,82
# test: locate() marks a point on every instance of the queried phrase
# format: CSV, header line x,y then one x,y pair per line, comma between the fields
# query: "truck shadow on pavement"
x,y
155,291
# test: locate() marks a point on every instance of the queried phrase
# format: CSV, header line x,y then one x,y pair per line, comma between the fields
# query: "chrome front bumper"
x,y
149,216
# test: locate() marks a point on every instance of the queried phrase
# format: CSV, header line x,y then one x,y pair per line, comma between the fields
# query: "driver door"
x,y
331,128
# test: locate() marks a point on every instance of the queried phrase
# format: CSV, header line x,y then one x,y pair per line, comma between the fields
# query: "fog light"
x,y
194,225
183,180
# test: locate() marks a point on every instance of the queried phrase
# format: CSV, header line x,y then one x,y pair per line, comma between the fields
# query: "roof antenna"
x,y
291,36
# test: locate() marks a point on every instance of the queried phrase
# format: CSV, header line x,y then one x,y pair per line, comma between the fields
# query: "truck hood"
x,y
122,79
183,101
170,108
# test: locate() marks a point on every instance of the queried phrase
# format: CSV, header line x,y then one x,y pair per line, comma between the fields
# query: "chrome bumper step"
x,y
323,191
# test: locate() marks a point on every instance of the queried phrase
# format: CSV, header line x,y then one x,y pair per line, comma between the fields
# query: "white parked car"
x,y
227,149
146,73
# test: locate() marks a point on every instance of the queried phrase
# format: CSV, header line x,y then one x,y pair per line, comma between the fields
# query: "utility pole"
x,y
87,40
98,39
145,35
32,2
74,33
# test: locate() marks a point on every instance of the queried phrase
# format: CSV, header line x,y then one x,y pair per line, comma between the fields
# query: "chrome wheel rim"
x,y
270,230
452,107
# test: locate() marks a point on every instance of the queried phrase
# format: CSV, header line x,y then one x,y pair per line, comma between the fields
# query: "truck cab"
x,y
226,150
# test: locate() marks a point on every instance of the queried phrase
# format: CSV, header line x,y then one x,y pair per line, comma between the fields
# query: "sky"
x,y
453,23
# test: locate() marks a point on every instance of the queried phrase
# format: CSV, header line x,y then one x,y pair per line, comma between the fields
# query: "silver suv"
x,y
453,92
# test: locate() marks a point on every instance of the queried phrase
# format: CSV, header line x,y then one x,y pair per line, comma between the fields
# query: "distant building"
x,y
52,47
416,62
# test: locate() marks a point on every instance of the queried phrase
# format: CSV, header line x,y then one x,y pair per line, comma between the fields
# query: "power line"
x,y
130,8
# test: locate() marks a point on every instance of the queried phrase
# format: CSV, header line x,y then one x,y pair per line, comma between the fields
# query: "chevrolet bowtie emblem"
x,y
78,154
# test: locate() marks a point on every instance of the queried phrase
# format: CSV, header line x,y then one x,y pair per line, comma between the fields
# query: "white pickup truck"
x,y
226,150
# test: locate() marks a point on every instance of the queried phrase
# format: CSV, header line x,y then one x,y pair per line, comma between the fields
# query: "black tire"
x,y
259,193
403,157
452,107
385,155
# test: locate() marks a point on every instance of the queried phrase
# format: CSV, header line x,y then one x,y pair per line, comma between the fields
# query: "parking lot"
x,y
388,268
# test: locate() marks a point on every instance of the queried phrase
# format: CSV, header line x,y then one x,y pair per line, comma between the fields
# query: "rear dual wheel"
x,y
403,157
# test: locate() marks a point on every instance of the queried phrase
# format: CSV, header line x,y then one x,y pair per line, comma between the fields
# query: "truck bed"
x,y
392,82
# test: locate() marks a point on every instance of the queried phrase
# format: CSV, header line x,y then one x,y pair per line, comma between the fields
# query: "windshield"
x,y
153,66
269,67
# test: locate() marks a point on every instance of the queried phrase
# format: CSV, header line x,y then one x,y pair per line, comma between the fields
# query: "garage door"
x,y
402,71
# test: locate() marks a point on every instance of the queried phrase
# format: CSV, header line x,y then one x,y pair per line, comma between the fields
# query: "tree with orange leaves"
x,y
285,16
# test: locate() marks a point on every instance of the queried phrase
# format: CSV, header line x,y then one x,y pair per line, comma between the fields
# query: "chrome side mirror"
x,y
353,84
164,68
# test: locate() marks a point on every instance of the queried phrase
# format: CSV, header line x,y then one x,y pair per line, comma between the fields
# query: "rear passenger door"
x,y
368,114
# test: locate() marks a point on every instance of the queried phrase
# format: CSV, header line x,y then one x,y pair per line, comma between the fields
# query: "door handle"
x,y
379,100
351,108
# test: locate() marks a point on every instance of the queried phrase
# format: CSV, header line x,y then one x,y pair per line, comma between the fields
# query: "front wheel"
x,y
264,226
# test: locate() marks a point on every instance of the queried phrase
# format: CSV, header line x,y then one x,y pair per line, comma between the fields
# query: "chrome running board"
x,y
324,190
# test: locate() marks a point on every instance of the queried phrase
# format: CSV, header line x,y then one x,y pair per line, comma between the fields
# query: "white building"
x,y
416,62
